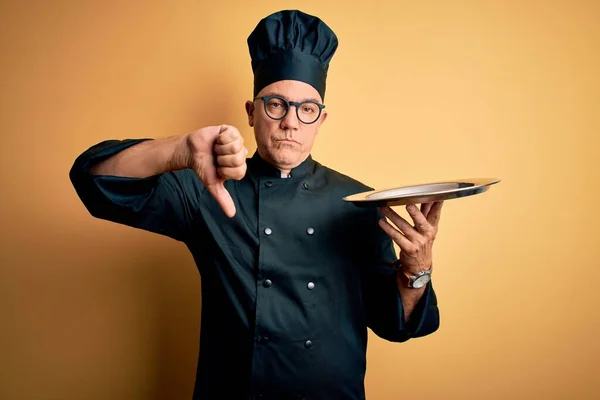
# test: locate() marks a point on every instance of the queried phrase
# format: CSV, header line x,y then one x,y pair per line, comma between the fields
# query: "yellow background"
x,y
418,91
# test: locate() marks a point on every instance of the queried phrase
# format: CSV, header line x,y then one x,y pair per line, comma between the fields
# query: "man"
x,y
291,274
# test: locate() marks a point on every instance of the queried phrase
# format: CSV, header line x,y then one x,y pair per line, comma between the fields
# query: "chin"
x,y
286,156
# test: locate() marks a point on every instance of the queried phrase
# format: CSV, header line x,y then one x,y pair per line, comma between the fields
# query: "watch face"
x,y
421,281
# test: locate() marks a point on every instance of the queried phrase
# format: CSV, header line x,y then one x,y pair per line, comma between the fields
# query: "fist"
x,y
216,154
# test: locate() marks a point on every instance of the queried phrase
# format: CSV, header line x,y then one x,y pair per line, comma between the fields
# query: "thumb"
x,y
218,191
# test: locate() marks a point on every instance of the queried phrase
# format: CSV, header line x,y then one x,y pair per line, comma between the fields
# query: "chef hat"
x,y
291,45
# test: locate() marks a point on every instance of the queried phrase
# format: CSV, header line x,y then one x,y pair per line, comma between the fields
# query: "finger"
x,y
233,147
235,173
396,235
223,198
425,208
435,213
400,222
227,135
421,223
231,160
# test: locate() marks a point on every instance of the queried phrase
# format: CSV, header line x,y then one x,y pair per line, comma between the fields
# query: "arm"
x,y
159,184
145,158
410,297
162,202
391,314
419,309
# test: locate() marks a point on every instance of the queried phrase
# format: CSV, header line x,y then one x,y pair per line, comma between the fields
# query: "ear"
x,y
250,112
322,119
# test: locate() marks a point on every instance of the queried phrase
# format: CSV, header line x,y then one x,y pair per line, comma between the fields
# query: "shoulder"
x,y
338,180
334,185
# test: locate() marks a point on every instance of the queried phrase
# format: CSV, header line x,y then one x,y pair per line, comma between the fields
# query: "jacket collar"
x,y
259,168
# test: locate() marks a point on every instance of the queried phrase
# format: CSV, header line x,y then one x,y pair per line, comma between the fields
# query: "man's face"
x,y
287,142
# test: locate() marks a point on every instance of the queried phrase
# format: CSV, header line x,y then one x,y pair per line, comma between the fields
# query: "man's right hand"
x,y
216,154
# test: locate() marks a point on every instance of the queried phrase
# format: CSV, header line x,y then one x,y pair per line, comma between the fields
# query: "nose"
x,y
290,121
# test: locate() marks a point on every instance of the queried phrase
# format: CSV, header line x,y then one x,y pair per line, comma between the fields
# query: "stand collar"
x,y
260,168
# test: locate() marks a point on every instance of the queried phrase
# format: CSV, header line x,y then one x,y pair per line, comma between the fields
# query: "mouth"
x,y
286,141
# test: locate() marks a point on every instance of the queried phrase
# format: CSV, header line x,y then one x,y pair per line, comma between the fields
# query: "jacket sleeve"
x,y
384,309
163,204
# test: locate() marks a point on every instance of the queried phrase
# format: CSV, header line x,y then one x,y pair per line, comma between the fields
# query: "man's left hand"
x,y
416,241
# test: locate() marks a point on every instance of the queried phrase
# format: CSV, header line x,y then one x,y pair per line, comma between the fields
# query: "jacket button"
x,y
308,344
305,185
267,283
268,231
310,231
264,340
269,183
311,285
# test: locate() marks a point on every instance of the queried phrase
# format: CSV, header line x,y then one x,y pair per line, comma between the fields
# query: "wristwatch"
x,y
412,281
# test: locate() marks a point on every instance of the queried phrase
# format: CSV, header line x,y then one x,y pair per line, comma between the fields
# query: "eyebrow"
x,y
285,97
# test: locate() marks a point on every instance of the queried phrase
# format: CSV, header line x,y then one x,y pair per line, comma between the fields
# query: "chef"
x,y
292,277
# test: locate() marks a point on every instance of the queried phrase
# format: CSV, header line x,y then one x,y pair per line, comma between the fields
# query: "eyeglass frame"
x,y
265,99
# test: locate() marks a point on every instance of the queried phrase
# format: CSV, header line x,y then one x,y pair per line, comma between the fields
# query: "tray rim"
x,y
477,183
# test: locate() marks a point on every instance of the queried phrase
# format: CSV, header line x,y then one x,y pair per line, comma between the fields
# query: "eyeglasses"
x,y
276,107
